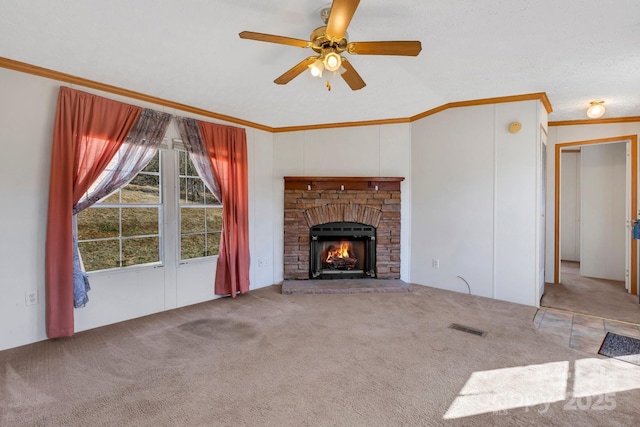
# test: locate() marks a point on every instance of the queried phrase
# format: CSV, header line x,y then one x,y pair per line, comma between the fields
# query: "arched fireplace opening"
x,y
342,250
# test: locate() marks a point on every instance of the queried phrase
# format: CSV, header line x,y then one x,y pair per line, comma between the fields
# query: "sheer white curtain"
x,y
192,140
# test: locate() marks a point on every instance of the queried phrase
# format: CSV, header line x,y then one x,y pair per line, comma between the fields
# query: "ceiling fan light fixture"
x,y
596,109
316,68
328,42
332,61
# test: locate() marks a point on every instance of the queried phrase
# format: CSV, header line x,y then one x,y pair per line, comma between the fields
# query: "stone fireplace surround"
x,y
310,201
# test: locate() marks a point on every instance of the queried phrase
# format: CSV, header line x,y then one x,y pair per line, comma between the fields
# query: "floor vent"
x,y
467,329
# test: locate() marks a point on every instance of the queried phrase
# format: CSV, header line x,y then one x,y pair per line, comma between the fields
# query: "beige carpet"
x,y
586,295
267,359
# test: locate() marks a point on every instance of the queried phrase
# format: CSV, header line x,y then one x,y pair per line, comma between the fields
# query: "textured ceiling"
x,y
188,51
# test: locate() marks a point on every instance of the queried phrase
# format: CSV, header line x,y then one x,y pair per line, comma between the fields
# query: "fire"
x,y
340,252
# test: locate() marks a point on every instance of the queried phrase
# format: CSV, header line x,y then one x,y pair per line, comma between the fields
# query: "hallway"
x,y
602,298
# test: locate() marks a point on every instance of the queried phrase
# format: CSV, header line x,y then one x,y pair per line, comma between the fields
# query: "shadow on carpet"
x,y
621,347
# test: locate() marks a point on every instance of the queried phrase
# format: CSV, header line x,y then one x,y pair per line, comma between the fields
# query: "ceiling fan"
x,y
330,41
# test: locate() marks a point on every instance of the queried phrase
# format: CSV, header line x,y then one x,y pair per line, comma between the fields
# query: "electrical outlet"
x,y
30,297
435,263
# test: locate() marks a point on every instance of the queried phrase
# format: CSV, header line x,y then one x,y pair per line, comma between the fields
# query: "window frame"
x,y
160,206
169,214
178,147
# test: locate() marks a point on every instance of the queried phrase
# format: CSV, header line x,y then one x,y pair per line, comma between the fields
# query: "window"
x,y
200,213
123,229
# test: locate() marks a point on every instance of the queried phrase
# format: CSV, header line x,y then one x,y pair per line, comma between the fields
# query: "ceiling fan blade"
x,y
339,18
295,71
274,39
350,76
403,48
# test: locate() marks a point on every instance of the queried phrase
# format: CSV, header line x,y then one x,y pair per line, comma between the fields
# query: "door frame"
x,y
541,239
633,139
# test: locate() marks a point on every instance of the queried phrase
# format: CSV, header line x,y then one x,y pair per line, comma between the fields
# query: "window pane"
x,y
191,191
142,189
98,223
139,221
182,162
214,219
191,170
140,251
154,164
100,255
196,222
209,198
114,234
112,198
213,243
195,191
192,246
192,220
183,191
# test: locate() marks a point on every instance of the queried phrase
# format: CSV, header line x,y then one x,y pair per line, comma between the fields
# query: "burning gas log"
x,y
340,258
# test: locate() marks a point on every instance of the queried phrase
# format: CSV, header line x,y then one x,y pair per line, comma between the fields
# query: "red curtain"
x,y
227,149
88,132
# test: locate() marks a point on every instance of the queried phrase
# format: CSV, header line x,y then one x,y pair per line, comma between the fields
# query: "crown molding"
x,y
595,121
539,96
68,78
342,125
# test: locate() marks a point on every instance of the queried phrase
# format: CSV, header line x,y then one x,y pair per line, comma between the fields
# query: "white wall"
x,y
570,207
27,110
376,151
26,125
474,201
603,205
566,134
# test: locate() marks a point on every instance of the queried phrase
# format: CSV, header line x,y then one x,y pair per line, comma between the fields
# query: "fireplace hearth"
x,y
342,250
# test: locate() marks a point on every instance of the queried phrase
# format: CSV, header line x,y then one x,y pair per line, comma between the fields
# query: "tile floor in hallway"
x,y
580,332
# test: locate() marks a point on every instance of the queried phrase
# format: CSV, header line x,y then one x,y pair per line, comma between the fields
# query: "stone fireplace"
x,y
341,227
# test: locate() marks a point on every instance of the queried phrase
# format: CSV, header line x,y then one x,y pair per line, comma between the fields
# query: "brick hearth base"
x,y
310,201
344,286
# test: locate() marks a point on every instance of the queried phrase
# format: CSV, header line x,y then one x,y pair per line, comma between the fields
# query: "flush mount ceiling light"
x,y
596,109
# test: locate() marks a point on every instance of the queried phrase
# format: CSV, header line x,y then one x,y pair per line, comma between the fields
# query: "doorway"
x,y
631,212
594,210
591,296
